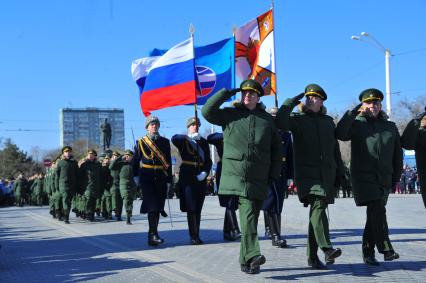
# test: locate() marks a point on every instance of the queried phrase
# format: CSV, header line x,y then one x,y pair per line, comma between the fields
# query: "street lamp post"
x,y
387,52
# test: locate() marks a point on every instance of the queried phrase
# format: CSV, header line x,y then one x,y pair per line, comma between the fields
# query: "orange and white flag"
x,y
254,52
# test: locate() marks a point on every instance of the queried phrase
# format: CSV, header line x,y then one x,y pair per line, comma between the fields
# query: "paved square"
x,y
37,248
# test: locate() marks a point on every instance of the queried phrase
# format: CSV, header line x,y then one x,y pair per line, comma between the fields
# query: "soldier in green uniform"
x,y
90,178
106,202
251,160
376,166
317,165
116,200
123,165
414,138
66,180
37,189
20,189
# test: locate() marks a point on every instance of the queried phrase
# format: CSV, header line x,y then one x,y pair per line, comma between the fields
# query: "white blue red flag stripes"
x,y
167,80
215,65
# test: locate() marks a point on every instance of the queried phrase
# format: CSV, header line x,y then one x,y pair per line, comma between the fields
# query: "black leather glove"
x,y
234,91
356,108
298,97
421,115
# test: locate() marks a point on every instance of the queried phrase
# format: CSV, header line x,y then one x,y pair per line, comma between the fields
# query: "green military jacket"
x,y
125,175
66,178
252,154
90,174
37,187
317,159
414,138
376,154
20,186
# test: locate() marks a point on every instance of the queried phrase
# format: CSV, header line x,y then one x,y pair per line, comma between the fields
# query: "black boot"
x,y
226,228
233,225
193,231
59,214
128,216
153,238
198,217
275,232
267,224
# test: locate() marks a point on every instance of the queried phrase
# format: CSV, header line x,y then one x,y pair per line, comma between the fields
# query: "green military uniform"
x,y
414,138
376,165
317,165
116,200
126,182
106,201
251,160
90,178
37,191
20,189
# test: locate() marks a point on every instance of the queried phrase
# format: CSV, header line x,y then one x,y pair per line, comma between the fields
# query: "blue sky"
x,y
57,53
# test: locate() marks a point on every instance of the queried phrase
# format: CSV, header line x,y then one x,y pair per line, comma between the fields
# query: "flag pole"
x,y
191,32
234,31
275,61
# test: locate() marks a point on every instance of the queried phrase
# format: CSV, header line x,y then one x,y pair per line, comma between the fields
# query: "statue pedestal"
x,y
105,153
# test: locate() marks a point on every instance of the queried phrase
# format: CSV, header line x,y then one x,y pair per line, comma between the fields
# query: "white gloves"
x,y
195,136
201,176
289,181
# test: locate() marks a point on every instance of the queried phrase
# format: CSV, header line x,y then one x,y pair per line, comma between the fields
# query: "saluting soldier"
x,y
414,138
116,200
273,205
251,160
317,165
90,178
106,201
196,164
66,180
376,166
152,166
123,165
231,231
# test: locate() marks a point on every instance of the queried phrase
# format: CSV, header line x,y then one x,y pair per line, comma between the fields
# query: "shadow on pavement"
x,y
358,270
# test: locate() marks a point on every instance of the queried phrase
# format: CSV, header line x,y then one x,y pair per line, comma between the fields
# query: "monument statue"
x,y
106,134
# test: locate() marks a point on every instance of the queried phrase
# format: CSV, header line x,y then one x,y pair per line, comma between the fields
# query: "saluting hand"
x,y
357,108
421,115
235,90
298,97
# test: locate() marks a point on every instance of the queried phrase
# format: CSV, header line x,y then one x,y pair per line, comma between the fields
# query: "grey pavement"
x,y
37,248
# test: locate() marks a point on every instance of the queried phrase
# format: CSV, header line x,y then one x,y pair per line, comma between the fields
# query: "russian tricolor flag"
x,y
167,80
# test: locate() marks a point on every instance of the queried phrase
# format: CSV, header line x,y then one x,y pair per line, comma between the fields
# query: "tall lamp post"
x,y
364,37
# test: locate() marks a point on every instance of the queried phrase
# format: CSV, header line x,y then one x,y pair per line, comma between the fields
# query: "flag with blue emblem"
x,y
214,64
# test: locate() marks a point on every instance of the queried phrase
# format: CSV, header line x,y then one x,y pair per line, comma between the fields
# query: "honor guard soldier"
x,y
90,178
20,189
414,138
251,160
376,166
318,165
196,164
153,171
273,205
231,231
124,166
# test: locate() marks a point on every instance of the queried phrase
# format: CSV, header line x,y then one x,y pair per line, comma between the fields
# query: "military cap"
x,y
370,94
192,121
92,151
128,152
315,90
151,119
252,85
115,153
66,148
273,111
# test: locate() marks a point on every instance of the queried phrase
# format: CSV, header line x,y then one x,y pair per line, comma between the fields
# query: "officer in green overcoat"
x,y
376,166
414,138
123,165
66,180
317,165
251,160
